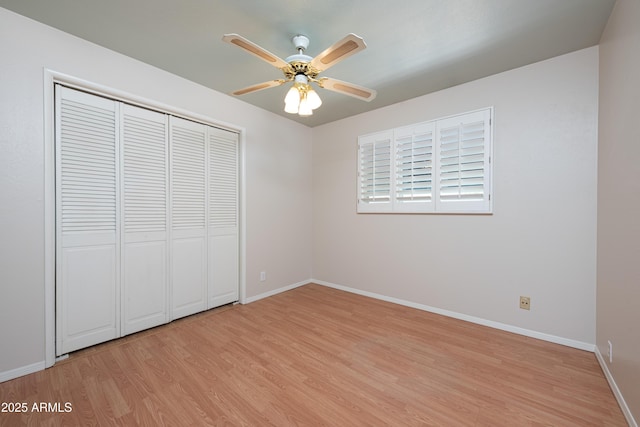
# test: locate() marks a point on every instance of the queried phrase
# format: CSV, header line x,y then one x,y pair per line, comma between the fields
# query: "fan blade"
x,y
338,51
259,86
255,50
346,88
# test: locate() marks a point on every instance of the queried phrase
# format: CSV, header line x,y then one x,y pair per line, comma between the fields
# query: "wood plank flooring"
x,y
318,356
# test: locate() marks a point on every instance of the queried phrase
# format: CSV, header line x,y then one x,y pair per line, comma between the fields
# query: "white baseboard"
x,y
614,388
497,325
274,292
23,370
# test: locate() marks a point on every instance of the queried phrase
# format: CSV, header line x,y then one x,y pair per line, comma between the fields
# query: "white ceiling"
x,y
414,47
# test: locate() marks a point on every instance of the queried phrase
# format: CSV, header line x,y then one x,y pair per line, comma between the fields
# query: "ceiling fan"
x,y
303,70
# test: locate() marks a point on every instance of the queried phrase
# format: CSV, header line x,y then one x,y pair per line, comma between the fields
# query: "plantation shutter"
x,y
223,217
441,166
463,153
414,168
374,172
145,246
87,219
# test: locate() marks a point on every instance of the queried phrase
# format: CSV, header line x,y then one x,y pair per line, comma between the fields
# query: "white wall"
x,y
278,178
541,239
618,293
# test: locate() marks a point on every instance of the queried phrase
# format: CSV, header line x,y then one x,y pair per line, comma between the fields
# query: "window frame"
x,y
418,166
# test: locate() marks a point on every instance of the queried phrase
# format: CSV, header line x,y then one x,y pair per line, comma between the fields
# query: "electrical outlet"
x,y
525,303
610,352
263,276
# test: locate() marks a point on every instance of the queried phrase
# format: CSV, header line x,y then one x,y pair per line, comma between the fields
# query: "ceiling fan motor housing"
x,y
299,63
300,42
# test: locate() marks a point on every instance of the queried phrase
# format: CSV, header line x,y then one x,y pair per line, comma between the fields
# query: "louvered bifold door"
x,y
145,178
464,169
223,217
87,217
375,172
188,286
414,162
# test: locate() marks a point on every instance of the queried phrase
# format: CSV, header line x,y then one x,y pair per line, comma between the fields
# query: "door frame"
x,y
50,78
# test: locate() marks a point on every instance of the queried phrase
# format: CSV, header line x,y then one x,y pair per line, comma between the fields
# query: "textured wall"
x,y
541,239
618,280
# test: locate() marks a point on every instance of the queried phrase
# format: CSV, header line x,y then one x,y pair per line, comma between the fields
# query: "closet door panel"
x,y
223,269
89,296
188,217
87,244
145,285
145,223
189,275
223,218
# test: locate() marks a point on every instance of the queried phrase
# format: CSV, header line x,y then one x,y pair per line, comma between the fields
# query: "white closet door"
x,y
188,217
87,283
223,217
145,219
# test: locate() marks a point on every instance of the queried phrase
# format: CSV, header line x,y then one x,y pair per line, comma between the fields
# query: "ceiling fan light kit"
x,y
301,98
303,70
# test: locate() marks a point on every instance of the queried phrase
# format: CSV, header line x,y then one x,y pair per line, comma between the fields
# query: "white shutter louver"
x,y
463,155
414,167
145,185
223,181
374,152
188,174
88,166
438,166
462,163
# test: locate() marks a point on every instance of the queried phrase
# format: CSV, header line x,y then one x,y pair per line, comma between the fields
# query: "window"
x,y
440,166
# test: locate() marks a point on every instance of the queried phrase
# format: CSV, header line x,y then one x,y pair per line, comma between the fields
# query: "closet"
x,y
146,218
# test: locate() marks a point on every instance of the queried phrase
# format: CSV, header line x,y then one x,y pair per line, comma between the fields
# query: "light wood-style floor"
x,y
318,356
